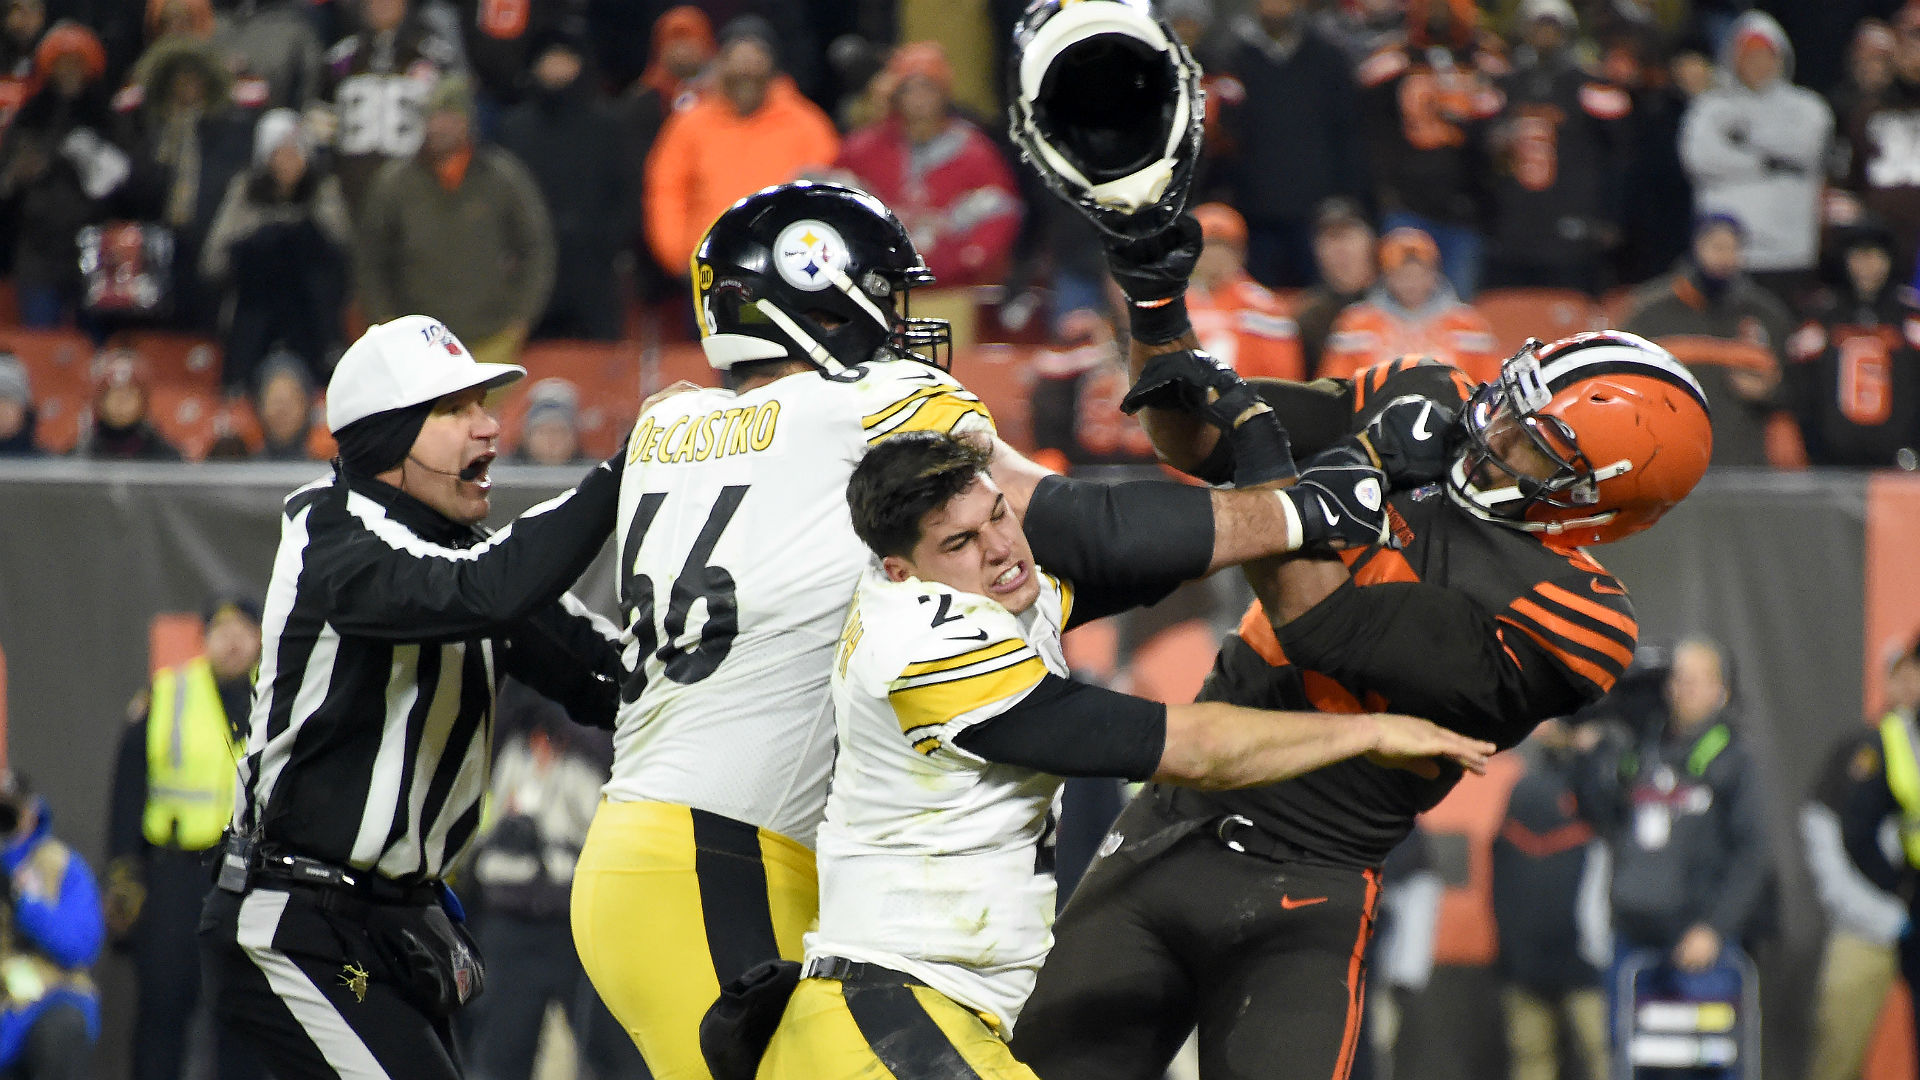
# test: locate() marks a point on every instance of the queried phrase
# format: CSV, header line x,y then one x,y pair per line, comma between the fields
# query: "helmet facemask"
x,y
1515,400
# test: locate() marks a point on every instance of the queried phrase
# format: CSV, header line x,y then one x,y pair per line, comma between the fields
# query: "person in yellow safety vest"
x,y
172,798
1887,785
1861,958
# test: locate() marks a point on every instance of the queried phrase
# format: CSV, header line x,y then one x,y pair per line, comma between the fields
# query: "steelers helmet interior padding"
x,y
1107,108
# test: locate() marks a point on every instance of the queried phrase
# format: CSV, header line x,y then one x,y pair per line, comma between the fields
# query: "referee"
x,y
331,943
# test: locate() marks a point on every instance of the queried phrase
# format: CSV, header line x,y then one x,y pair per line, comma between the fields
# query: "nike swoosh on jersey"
x,y
1420,430
981,636
1289,903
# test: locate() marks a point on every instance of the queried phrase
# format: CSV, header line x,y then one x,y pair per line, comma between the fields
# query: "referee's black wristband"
x,y
1157,322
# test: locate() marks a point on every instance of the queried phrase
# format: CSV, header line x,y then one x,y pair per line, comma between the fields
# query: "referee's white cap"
x,y
404,362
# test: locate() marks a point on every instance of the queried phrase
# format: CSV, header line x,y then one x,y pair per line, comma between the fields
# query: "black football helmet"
x,y
1107,108
816,272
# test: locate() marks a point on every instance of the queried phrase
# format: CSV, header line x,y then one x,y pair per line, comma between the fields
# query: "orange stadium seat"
x,y
58,428
607,377
1518,314
1614,307
1172,664
1002,377
184,360
57,361
190,418
173,637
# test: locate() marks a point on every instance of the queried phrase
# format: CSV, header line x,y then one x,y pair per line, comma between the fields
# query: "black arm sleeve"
x,y
1433,652
569,657
1869,801
1121,545
397,587
1072,728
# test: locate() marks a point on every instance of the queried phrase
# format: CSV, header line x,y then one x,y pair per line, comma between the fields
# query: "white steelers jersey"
x,y
737,558
933,861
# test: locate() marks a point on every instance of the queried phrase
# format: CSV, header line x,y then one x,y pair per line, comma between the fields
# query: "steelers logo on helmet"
x,y
807,252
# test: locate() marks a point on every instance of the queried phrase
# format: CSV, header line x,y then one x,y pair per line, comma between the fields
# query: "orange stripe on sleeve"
x,y
1574,633
1586,669
1256,631
1592,609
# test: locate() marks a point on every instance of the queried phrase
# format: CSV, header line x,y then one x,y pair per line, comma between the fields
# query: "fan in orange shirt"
x,y
1235,317
1412,311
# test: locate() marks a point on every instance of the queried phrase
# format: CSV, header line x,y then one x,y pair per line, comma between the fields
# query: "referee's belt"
x,y
283,868
853,971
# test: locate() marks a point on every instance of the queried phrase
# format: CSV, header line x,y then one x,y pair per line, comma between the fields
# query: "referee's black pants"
x,y
1170,930
293,979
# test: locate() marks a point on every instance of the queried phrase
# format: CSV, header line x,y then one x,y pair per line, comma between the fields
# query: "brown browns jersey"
x,y
1480,628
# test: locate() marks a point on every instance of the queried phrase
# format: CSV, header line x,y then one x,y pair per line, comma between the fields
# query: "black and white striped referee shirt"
x,y
386,630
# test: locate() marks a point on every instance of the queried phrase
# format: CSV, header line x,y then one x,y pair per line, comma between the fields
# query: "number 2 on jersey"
x,y
697,581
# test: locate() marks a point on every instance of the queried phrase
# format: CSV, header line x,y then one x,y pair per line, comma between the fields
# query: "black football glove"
x,y
1341,506
1156,267
1410,440
1192,381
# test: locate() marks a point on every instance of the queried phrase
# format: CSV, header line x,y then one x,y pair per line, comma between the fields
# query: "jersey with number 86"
x,y
737,559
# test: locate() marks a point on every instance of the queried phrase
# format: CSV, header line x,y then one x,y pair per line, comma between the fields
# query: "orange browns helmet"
x,y
1624,423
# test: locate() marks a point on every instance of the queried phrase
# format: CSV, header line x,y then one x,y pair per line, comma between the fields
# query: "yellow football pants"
x,y
669,903
876,1031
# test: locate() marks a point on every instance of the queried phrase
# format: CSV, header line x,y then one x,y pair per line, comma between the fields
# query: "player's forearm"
x,y
1251,524
1182,439
1216,746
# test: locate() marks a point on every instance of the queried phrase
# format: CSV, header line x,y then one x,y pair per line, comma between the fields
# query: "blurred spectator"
x,y
285,408
1560,146
278,251
1864,921
1288,135
551,432
375,84
569,141
1869,73
1883,136
500,43
1413,311
171,796
546,782
120,428
188,142
1657,213
56,165
698,166
1755,146
1400,956
1076,397
1679,801
272,47
937,171
50,1017
457,230
1236,319
1550,912
1728,331
682,46
1853,377
1364,27
17,415
20,29
193,18
1343,254
21,24
1425,102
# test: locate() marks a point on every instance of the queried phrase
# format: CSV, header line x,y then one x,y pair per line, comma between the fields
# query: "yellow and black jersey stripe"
x,y
931,693
1591,636
932,408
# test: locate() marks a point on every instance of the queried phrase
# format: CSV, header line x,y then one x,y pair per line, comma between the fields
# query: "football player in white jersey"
x,y
956,721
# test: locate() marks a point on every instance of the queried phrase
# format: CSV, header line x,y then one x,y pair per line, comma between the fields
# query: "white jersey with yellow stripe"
x,y
934,861
737,558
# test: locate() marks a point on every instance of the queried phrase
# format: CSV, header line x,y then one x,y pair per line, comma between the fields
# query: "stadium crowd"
x,y
201,200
